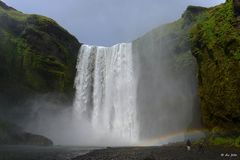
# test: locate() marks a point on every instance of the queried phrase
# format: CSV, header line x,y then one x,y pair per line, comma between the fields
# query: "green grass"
x,y
225,141
215,41
14,14
217,28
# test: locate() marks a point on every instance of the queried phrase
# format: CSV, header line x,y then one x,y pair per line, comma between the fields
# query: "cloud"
x,y
108,22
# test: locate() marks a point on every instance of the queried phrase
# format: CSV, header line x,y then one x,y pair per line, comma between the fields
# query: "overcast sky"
x,y
107,22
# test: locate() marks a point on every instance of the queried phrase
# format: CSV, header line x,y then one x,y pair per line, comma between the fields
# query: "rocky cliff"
x,y
212,37
167,81
37,56
215,44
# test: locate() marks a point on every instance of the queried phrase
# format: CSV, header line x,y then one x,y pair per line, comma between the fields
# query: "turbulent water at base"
x,y
106,90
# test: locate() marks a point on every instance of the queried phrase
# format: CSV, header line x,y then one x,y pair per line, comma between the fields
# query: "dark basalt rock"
x,y
191,14
236,4
11,134
4,6
26,139
29,139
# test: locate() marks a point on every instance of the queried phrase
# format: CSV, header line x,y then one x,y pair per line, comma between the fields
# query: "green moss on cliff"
x,y
37,56
225,141
215,43
222,139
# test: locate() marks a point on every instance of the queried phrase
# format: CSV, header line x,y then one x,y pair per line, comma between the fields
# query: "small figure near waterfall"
x,y
201,148
202,145
189,144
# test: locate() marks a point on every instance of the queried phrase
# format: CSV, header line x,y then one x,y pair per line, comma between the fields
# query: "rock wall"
x,y
37,56
215,44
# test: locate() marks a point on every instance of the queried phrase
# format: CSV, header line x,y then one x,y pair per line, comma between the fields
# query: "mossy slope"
x,y
216,45
37,56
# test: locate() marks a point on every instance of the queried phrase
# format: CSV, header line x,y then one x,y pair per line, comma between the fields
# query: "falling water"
x,y
106,90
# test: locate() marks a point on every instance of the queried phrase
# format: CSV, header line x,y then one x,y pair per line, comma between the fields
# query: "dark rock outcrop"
x,y
191,14
4,6
236,4
11,134
25,138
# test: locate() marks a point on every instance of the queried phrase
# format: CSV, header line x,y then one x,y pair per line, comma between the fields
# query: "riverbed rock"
x,y
11,134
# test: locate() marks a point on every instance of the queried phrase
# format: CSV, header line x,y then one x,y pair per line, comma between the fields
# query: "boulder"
x,y
11,134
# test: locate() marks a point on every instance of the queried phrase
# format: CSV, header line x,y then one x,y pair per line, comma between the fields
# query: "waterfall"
x,y
106,87
138,91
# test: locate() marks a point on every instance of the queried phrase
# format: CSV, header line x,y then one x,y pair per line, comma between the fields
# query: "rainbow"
x,y
174,137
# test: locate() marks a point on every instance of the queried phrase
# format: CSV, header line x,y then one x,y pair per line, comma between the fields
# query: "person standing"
x,y
189,144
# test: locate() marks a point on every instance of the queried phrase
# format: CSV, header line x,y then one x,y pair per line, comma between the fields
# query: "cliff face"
x,y
214,39
215,44
37,56
167,80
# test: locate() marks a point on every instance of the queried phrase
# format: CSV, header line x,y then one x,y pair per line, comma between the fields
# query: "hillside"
x,y
215,43
37,56
167,81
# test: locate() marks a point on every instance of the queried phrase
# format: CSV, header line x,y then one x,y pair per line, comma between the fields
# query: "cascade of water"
x,y
106,89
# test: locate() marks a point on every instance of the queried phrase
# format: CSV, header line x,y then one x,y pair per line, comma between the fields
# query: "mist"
x,y
63,125
166,96
167,91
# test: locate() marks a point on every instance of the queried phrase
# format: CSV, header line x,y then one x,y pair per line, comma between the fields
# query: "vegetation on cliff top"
x,y
174,37
215,43
36,55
